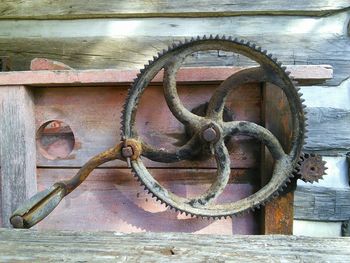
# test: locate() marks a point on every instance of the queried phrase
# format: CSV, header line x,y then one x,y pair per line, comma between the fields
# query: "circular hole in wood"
x,y
55,140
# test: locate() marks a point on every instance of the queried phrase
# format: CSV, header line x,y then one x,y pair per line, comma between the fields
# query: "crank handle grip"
x,y
38,207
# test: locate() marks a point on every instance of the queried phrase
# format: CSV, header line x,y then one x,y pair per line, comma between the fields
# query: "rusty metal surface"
x,y
43,203
311,167
211,130
207,132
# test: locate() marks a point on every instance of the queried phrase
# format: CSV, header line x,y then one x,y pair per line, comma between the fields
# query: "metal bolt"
x,y
209,134
17,222
127,152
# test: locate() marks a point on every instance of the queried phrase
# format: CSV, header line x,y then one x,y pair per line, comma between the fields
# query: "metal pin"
x,y
128,162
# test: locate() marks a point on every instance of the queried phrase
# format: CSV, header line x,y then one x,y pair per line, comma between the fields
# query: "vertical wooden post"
x,y
17,149
277,216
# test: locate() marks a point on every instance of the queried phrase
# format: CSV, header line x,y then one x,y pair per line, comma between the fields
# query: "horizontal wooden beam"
x,y
130,43
34,246
44,9
316,73
328,130
321,203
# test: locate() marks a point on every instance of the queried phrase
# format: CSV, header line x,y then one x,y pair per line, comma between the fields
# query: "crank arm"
x,y
43,203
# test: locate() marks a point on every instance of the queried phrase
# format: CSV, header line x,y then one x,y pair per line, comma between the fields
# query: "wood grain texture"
x,y
322,204
46,78
111,199
277,215
34,246
329,130
133,53
93,115
45,9
129,44
17,149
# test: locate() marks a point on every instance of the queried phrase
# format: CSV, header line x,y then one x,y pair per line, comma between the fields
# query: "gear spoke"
x,y
211,130
172,98
217,101
185,152
258,132
222,176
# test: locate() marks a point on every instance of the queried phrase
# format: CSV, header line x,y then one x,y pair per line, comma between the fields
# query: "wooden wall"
x,y
125,35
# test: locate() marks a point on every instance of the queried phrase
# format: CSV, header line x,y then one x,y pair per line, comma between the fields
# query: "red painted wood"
x,y
94,117
111,199
113,76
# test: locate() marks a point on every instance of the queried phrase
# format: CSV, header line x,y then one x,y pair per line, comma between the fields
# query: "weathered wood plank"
x,y
301,73
46,246
45,9
131,43
329,130
111,199
322,203
277,214
87,53
93,115
17,149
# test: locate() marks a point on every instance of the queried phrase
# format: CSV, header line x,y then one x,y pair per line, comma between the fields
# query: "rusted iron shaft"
x,y
43,203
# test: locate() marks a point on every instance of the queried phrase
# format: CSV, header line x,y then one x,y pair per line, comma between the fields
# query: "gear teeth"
x,y
176,45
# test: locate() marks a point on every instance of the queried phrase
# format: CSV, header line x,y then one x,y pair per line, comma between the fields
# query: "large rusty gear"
x,y
209,129
311,167
212,130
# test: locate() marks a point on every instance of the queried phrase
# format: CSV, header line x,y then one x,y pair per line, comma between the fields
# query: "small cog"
x,y
311,167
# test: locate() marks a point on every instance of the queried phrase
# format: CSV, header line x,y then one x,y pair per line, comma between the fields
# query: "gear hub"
x,y
269,70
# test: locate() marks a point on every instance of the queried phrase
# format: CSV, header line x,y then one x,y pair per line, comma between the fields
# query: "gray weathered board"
x,y
45,9
57,246
322,204
313,38
17,148
328,130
